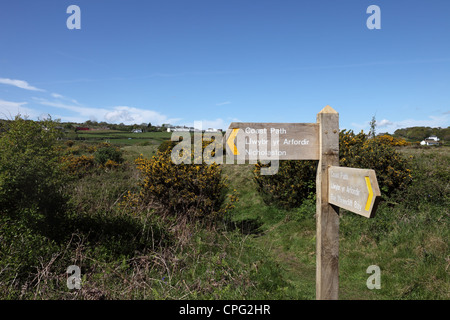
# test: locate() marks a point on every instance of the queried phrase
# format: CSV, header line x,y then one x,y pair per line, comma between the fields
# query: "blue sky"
x,y
220,61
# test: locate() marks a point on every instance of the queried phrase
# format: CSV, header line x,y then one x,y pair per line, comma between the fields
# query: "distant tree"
x,y
373,125
122,127
150,128
68,126
90,123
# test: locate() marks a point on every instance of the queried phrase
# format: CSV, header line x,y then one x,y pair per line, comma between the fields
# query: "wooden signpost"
x,y
265,141
355,190
337,187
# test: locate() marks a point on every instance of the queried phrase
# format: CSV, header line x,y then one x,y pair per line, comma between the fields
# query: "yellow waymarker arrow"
x,y
230,142
370,197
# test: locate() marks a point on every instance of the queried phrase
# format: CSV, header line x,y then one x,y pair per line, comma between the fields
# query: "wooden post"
x,y
327,215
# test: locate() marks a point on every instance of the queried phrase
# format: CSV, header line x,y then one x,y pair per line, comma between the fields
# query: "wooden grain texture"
x,y
348,189
327,215
266,141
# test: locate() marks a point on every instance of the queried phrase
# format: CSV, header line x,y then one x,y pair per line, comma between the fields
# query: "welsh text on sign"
x,y
352,189
274,141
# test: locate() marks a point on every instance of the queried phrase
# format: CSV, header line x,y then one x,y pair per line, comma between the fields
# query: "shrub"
x,y
21,251
69,143
100,156
392,141
188,192
166,145
107,152
30,175
91,149
431,173
392,169
111,164
78,165
295,180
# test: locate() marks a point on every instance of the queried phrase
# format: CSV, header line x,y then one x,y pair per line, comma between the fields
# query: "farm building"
x,y
182,129
430,141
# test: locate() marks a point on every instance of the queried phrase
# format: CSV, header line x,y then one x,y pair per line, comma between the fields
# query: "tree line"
x,y
421,133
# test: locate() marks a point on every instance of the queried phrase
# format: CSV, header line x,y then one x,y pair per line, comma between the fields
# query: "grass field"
x,y
258,252
121,137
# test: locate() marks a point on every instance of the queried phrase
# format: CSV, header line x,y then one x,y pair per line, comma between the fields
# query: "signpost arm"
x,y
327,215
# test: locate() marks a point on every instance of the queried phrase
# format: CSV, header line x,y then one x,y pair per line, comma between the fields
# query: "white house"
x,y
213,130
180,129
186,129
430,141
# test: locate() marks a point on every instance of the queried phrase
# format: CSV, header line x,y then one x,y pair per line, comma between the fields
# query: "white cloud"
x,y
131,115
432,121
390,126
9,109
57,96
120,114
83,111
384,123
116,114
61,97
65,118
223,103
20,84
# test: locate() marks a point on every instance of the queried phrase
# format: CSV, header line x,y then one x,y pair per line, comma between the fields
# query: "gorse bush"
x,y
391,167
166,145
295,180
78,165
103,156
188,192
392,141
